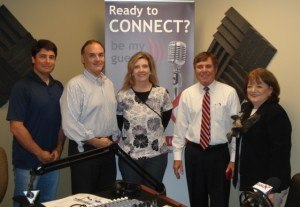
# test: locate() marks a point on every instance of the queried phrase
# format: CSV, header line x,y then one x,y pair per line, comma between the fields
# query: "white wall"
x,y
69,23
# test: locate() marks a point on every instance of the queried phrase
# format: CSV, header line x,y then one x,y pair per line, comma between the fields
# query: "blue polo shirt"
x,y
36,104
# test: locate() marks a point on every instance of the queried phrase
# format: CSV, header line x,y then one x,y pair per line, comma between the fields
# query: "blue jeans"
x,y
155,166
46,184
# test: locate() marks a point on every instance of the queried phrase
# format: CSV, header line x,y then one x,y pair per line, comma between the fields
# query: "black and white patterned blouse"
x,y
143,131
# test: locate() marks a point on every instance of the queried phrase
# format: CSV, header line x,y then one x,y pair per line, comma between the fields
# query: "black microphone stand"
x,y
66,162
159,187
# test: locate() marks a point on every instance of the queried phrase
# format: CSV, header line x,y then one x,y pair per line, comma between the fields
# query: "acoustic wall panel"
x,y
239,49
254,51
15,52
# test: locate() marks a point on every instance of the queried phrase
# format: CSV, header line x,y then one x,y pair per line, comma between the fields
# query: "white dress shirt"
x,y
88,107
224,103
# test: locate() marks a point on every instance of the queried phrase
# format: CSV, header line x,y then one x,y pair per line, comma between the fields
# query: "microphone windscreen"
x,y
274,182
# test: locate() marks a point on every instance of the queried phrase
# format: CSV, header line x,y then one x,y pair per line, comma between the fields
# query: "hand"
x,y
230,170
45,157
104,142
178,168
56,153
99,142
271,197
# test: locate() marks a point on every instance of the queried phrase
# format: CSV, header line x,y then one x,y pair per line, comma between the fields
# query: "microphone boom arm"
x,y
66,162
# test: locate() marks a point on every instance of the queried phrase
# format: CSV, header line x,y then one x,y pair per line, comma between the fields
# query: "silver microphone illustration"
x,y
177,56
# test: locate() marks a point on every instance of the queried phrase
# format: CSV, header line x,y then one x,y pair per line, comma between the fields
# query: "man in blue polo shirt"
x,y
35,121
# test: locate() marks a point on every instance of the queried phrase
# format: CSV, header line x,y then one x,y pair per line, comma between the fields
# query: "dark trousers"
x,y
206,178
155,166
92,175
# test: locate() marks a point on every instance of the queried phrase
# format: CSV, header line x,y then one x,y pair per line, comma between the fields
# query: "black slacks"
x,y
155,166
206,177
92,175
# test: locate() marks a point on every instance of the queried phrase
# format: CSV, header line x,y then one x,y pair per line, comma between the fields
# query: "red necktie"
x,y
205,123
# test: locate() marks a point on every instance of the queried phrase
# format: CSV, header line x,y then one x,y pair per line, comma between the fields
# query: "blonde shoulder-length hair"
x,y
129,80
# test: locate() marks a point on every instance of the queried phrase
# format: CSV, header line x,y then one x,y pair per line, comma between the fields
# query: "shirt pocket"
x,y
218,111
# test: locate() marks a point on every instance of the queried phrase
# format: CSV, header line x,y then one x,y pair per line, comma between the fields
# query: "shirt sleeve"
x,y
233,149
166,109
167,103
119,112
18,103
180,128
71,103
166,116
278,131
235,108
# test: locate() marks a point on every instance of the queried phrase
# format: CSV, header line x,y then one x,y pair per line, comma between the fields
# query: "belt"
x,y
210,147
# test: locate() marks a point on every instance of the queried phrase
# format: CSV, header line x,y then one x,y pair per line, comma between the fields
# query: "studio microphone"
x,y
177,56
241,126
259,194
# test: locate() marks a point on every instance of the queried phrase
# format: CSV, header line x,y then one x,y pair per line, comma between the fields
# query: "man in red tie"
x,y
202,122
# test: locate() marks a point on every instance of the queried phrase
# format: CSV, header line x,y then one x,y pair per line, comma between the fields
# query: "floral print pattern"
x,y
140,138
143,132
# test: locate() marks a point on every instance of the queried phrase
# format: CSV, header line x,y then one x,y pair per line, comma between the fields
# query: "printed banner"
x,y
166,30
163,28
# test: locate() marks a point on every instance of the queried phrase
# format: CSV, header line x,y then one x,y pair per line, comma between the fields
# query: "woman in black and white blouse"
x,y
144,110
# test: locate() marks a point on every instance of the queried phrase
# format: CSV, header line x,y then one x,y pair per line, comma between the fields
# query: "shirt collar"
x,y
210,86
35,77
100,80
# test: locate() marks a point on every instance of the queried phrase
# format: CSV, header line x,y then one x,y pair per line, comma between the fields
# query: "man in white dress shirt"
x,y
88,106
205,168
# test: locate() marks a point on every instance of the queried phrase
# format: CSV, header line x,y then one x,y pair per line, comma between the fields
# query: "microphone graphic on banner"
x,y
259,195
177,56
